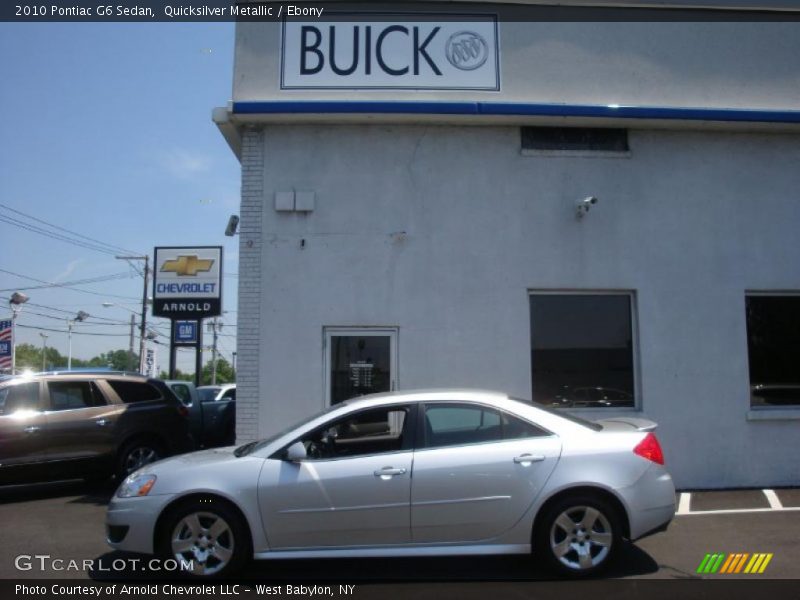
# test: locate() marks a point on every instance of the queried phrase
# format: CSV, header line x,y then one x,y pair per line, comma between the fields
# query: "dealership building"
x,y
601,216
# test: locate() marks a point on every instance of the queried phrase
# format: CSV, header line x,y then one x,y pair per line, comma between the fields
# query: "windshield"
x,y
207,394
257,445
561,413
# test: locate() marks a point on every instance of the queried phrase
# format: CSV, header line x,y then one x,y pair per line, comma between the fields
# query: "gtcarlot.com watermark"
x,y
45,562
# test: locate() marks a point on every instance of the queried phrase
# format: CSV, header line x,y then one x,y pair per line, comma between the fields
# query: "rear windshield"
x,y
563,414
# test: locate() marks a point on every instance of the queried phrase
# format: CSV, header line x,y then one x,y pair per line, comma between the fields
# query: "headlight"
x,y
136,485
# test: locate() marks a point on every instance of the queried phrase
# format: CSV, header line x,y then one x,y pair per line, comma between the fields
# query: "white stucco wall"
x,y
688,222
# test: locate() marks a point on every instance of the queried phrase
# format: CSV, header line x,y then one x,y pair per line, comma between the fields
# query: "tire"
x,y
578,536
136,454
209,533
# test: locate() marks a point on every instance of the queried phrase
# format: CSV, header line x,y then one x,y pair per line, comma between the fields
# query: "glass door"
x,y
359,361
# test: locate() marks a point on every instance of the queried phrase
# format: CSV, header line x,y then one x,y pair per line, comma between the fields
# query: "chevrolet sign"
x,y
187,282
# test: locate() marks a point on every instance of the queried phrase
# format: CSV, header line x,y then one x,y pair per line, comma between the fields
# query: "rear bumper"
x,y
650,502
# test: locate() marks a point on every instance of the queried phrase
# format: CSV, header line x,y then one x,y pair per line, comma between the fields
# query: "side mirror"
x,y
296,452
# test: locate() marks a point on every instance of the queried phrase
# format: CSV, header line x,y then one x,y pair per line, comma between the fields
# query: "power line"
x,y
110,248
73,332
72,312
67,287
71,283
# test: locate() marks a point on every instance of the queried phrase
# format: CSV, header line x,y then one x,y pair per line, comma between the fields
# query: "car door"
x,y
80,421
352,490
22,428
476,471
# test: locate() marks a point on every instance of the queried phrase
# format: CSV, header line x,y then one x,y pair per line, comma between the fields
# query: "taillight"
x,y
650,449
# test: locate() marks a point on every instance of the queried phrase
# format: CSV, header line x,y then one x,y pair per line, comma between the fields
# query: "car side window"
x,y
515,428
453,424
134,391
24,396
229,394
372,431
69,395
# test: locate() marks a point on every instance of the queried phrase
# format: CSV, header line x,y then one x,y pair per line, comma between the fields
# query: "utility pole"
x,y
143,323
44,351
215,325
16,302
130,344
81,316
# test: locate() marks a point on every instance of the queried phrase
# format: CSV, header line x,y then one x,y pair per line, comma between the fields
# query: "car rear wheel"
x,y
579,536
137,454
209,536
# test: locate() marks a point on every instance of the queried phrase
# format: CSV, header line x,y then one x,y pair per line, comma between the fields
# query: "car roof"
x,y
76,375
427,394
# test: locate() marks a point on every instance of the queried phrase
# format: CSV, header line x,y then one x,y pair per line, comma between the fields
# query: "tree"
x,y
29,356
118,360
225,372
180,375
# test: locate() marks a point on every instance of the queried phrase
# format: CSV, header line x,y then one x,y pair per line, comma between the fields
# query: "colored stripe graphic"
x,y
738,562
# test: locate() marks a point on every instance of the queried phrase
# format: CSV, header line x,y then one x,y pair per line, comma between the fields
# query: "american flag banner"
x,y
6,340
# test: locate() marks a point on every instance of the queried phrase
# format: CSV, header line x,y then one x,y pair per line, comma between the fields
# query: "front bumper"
x,y
139,515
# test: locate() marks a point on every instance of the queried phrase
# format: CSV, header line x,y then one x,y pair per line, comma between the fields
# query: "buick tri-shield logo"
x,y
466,50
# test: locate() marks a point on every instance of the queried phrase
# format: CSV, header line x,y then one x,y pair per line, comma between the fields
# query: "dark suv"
x,y
86,425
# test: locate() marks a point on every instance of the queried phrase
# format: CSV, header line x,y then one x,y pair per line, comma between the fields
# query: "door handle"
x,y
526,459
32,429
387,473
101,422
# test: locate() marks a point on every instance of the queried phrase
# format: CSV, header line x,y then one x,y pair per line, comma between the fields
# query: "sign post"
x,y
187,288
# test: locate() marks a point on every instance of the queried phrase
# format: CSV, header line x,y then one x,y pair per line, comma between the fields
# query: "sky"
x,y
107,133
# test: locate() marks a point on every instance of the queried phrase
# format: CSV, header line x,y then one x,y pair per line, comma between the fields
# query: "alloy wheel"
x,y
205,539
139,457
581,538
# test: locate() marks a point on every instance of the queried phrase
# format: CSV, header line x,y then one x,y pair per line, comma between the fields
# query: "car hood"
x,y
182,462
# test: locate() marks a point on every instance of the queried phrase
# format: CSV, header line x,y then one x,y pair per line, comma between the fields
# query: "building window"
x,y
575,139
582,349
773,349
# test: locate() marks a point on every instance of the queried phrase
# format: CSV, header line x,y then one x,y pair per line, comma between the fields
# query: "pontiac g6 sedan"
x,y
423,473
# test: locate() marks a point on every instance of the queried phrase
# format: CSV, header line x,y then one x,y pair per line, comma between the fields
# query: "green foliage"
x,y
225,372
30,357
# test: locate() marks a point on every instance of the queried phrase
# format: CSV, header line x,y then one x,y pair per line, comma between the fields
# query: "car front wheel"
x,y
579,536
206,538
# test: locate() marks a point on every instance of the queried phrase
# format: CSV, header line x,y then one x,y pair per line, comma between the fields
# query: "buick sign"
x,y
402,54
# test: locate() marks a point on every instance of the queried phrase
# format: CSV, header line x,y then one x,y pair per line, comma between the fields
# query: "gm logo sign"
x,y
406,53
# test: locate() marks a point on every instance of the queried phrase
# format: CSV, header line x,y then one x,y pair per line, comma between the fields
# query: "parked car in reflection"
x,y
423,473
775,395
92,425
592,397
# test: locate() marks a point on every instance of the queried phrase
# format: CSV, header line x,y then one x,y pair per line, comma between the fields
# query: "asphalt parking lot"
x,y
65,521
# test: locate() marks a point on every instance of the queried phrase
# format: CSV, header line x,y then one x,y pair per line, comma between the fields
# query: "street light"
x,y
133,328
81,316
44,351
16,301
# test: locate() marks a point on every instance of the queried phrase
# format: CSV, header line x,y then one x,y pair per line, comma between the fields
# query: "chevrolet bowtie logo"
x,y
187,265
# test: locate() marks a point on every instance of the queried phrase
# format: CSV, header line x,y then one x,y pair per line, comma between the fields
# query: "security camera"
x,y
582,206
233,224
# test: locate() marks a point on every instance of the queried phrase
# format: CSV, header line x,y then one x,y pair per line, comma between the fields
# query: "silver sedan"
x,y
422,473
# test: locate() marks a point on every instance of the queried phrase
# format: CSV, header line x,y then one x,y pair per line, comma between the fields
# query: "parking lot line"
x,y
685,503
772,498
733,511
